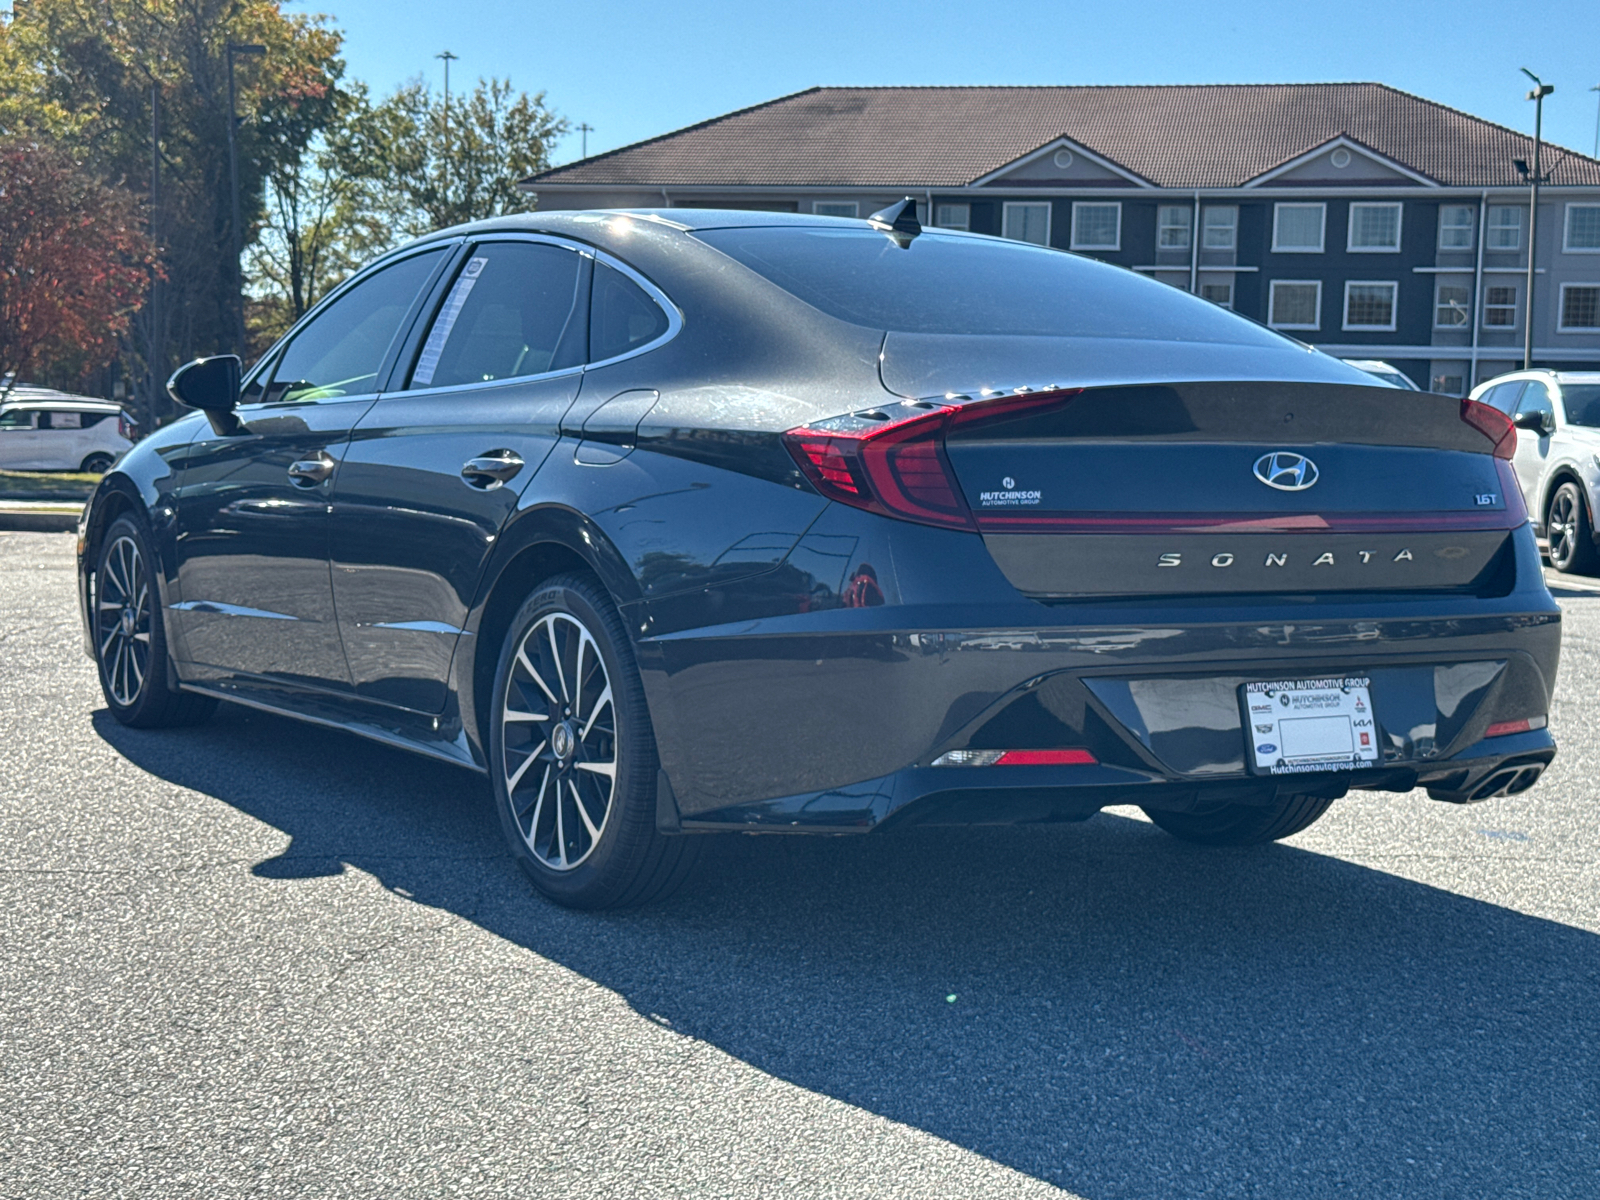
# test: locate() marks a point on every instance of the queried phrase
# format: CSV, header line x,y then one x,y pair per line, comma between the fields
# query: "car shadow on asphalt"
x,y
1095,1005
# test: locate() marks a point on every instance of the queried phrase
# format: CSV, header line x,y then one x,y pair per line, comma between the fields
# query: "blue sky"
x,y
636,70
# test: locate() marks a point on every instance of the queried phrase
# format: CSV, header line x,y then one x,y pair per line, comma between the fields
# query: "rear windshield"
x,y
1583,404
951,284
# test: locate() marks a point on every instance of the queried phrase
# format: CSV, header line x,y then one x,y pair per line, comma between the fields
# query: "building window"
x,y
1369,305
1374,228
1580,307
1172,226
1583,229
1026,222
1218,293
952,216
836,208
1096,226
1221,227
1500,306
1505,228
1452,305
1455,226
1295,304
1297,228
1450,385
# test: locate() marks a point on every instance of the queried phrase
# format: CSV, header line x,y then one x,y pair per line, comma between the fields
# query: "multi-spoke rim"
x,y
123,621
1562,528
558,726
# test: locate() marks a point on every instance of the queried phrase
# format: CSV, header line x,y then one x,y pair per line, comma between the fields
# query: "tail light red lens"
x,y
892,461
1493,424
1045,758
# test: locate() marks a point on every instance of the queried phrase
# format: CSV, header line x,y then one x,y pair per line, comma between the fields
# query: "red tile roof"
x,y
1180,136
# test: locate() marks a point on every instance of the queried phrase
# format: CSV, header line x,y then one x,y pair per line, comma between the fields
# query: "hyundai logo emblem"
x,y
1286,471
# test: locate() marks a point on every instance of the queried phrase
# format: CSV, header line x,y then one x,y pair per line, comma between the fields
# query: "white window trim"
x,y
1350,227
1566,228
1471,227
1272,293
1232,226
1187,225
1515,306
966,221
1076,244
1465,326
1322,232
1394,305
1561,310
1490,227
1049,215
855,207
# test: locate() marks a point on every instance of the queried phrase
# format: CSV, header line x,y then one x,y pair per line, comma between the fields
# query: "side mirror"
x,y
1541,423
211,385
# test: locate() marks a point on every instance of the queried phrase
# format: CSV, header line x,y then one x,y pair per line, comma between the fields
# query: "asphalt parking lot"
x,y
261,958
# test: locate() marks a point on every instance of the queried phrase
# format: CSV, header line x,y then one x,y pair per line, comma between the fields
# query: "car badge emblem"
x,y
1286,471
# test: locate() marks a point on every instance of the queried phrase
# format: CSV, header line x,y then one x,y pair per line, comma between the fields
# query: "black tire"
x,y
1242,824
97,464
1570,533
130,637
609,855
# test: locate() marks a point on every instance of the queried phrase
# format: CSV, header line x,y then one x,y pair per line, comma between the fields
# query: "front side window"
x,y
1455,226
1221,227
1583,229
1504,395
836,208
1172,226
1297,228
1452,306
15,419
1580,307
1096,226
1027,223
952,216
1505,228
1217,293
1374,228
622,317
1295,304
339,353
1536,399
1500,306
1369,305
508,314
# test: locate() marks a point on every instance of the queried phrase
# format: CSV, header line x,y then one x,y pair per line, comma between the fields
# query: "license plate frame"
x,y
1306,726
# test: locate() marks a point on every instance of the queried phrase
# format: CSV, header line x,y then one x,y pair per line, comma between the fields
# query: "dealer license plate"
x,y
1303,725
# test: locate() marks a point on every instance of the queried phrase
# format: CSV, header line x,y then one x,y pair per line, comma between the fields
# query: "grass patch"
x,y
47,485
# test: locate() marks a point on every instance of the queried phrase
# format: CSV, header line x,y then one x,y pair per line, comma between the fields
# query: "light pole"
x,y
586,129
237,50
1540,90
1596,153
448,59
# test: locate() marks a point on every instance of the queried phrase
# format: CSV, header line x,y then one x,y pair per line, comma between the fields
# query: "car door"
x,y
63,447
436,466
19,439
1533,445
253,504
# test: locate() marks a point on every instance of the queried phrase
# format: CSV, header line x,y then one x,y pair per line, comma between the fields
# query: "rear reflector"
x,y
1526,725
891,460
1015,758
1493,424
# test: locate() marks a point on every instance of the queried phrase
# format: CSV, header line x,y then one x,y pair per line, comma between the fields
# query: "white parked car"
x,y
1557,415
1379,369
44,430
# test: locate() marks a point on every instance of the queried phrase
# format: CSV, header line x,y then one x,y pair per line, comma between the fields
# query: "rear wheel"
x,y
573,755
97,464
130,638
1570,534
1242,824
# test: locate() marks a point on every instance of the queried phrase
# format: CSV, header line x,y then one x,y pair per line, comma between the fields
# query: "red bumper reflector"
x,y
1501,728
1045,758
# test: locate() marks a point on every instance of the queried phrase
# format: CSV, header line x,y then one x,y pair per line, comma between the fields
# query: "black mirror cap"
x,y
1538,422
211,384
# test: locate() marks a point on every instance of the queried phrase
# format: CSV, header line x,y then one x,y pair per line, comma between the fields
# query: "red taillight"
x,y
892,461
1045,758
1493,424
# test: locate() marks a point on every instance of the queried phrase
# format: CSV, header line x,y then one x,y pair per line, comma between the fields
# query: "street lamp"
x,y
1540,90
237,50
448,59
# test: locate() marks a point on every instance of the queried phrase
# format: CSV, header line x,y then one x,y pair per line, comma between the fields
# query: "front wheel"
x,y
573,757
1570,533
97,464
1242,824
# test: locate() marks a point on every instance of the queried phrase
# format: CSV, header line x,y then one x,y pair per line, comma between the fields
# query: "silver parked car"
x,y
45,430
1557,415
1379,369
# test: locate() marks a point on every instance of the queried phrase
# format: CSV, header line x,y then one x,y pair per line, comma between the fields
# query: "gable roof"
x,y
1176,136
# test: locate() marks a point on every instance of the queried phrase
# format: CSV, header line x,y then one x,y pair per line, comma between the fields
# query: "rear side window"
x,y
507,315
339,353
66,420
951,284
622,316
1582,402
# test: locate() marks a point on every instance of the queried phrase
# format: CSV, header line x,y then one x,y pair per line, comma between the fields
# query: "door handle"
x,y
309,472
489,471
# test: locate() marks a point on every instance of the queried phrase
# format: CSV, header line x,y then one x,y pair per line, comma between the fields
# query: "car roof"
x,y
1371,364
67,405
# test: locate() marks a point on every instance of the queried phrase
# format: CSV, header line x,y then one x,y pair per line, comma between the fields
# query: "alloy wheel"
x,y
559,738
1561,529
123,621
